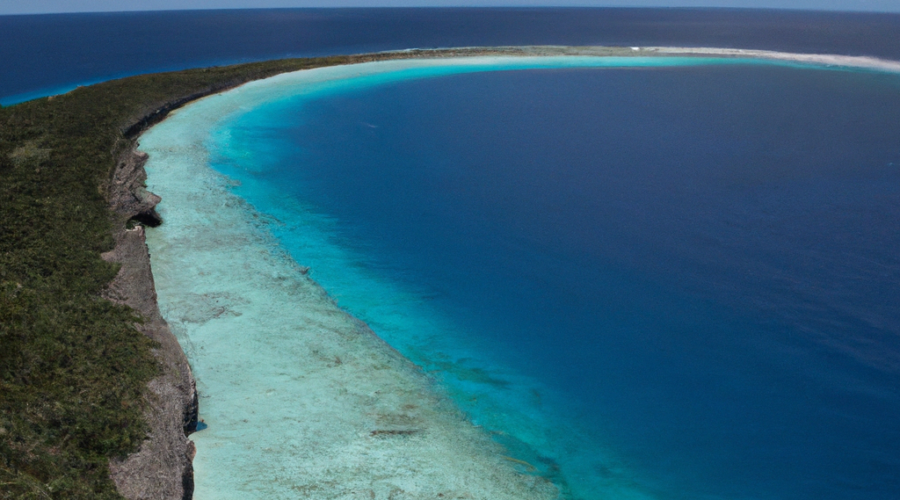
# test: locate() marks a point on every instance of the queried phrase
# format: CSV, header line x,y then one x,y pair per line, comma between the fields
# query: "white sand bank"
x,y
861,62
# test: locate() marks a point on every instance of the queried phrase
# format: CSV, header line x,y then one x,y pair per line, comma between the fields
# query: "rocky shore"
x,y
161,469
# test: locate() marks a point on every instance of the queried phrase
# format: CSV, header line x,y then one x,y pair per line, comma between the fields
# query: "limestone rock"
x,y
161,468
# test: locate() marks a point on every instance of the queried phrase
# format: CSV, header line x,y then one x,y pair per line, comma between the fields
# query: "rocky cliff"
x,y
161,468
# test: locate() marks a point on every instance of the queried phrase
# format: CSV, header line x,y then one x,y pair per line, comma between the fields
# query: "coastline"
x,y
134,239
825,60
163,463
860,62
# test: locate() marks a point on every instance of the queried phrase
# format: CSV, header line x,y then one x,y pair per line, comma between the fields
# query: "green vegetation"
x,y
73,367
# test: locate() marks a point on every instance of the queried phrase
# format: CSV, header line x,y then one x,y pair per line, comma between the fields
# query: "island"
x,y
98,397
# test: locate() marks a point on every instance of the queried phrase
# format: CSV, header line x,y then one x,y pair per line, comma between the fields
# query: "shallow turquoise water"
x,y
633,323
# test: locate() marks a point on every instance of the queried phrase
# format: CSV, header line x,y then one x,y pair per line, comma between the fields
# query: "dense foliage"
x,y
73,368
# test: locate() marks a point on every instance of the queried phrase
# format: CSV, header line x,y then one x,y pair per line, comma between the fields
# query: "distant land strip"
x,y
828,60
862,62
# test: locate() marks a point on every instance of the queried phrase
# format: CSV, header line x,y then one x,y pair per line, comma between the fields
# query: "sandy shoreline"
x,y
363,422
861,62
827,60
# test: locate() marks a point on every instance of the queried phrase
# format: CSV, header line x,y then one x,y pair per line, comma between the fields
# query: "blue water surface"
x,y
49,54
680,278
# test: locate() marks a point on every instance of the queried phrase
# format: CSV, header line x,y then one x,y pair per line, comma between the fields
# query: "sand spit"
x,y
844,61
861,62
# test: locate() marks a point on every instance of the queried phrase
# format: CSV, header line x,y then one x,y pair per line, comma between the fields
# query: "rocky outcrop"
x,y
127,196
161,468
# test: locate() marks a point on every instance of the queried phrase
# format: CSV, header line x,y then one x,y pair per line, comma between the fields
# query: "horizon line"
x,y
824,10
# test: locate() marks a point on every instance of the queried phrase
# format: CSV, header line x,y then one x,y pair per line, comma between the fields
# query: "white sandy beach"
x,y
861,62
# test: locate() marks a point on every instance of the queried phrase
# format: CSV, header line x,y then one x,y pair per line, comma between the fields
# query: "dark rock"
x,y
128,196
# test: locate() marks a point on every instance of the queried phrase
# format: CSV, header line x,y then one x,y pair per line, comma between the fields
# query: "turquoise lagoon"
x,y
292,227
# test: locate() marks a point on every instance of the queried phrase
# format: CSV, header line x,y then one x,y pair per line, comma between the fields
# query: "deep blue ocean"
x,y
695,270
47,54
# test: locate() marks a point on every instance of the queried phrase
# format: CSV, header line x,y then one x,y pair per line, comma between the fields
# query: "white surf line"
x,y
862,62
828,60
